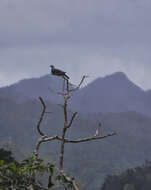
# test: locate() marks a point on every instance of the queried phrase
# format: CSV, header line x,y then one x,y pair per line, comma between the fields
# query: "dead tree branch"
x,y
79,85
89,138
69,180
41,116
40,141
67,124
61,157
42,135
72,119
66,96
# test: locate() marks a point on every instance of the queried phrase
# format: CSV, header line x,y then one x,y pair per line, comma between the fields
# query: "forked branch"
x,y
79,85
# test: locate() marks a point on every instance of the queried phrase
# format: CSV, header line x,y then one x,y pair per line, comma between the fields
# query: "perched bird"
x,y
58,72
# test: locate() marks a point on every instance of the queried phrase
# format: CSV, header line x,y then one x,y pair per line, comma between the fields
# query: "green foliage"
x,y
6,155
21,176
28,173
138,178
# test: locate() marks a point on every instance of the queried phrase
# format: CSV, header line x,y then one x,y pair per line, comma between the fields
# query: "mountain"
x,y
89,162
113,93
92,161
46,86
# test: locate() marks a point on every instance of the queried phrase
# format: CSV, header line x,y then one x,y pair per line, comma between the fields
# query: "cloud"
x,y
83,37
63,21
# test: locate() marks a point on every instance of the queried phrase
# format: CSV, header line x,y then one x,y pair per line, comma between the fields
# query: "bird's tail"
x,y
66,76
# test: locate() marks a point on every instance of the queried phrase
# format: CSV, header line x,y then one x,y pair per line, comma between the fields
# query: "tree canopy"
x,y
138,178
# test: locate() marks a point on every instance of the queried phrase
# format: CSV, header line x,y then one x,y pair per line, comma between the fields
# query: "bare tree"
x,y
66,94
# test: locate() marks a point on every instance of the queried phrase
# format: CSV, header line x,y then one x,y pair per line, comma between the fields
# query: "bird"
x,y
58,72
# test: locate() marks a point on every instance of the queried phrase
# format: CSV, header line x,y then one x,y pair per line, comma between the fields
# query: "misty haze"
x,y
75,95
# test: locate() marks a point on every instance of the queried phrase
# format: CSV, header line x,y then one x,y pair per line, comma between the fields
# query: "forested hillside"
x,y
93,160
138,178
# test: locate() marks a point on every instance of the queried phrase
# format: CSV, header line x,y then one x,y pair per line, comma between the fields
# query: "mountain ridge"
x,y
130,147
112,93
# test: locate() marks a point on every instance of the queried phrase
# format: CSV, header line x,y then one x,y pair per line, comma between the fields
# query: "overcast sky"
x,y
92,37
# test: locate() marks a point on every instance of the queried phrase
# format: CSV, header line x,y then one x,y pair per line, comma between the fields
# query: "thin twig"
x,y
77,88
72,119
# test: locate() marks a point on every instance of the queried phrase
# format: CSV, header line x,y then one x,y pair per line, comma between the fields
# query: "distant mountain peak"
x,y
112,93
117,75
111,80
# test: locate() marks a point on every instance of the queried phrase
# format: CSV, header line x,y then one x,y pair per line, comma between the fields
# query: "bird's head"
x,y
52,66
